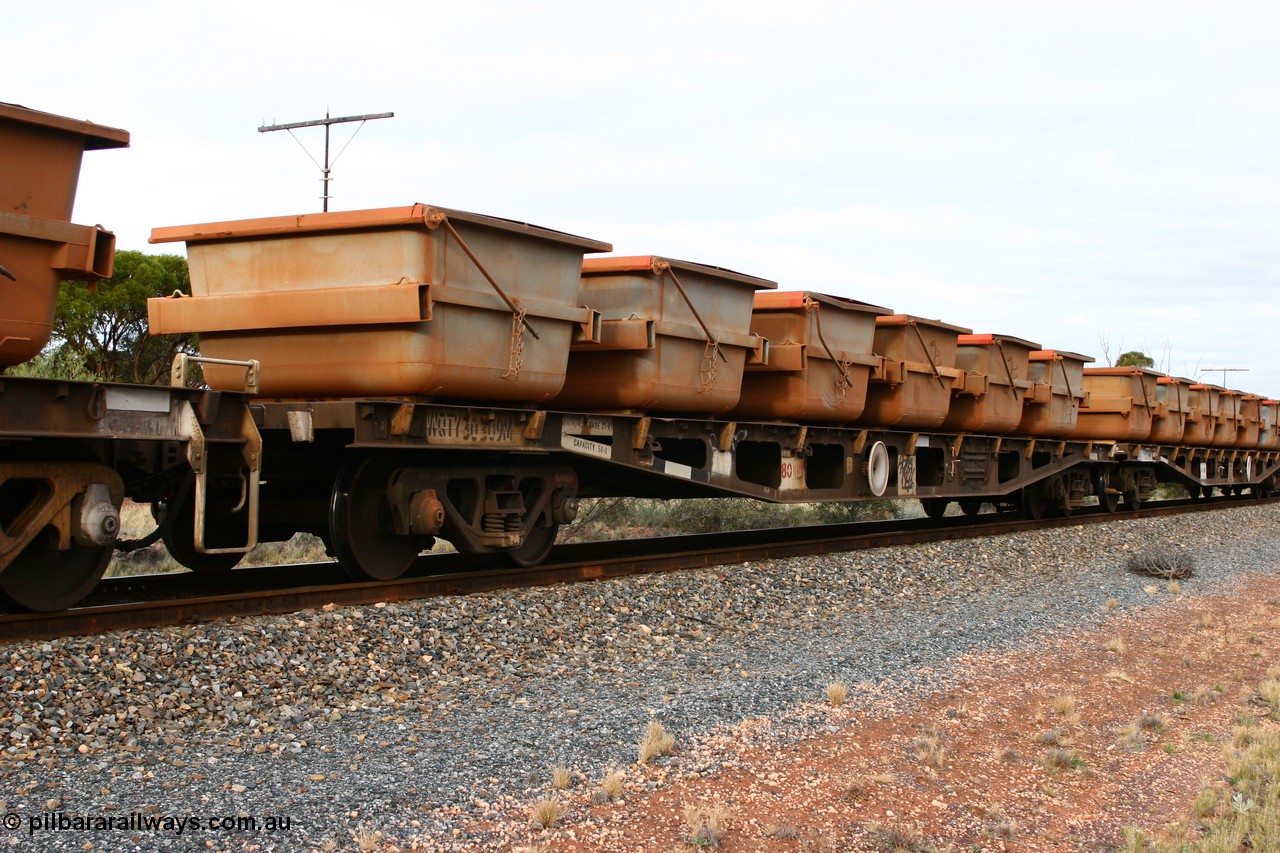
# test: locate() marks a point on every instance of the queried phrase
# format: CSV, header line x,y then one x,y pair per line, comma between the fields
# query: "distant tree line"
x,y
100,328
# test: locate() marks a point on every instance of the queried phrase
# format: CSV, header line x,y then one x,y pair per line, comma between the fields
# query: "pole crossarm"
x,y
1224,371
326,123
266,128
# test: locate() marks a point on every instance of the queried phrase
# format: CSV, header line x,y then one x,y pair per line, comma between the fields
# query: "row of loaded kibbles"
x,y
456,306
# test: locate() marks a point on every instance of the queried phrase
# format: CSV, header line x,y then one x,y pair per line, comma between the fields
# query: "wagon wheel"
x,y
1131,499
1034,501
1108,499
971,506
360,527
179,536
44,579
535,547
935,507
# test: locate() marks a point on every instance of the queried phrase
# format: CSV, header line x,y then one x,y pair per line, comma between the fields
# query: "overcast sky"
x,y
1063,172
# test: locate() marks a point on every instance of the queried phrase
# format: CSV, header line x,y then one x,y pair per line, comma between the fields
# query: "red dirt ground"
x,y
1196,660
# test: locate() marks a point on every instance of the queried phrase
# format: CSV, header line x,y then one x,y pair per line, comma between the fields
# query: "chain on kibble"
x,y
843,383
515,359
710,354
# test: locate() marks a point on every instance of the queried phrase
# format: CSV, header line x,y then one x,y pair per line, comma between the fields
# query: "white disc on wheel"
x,y
878,468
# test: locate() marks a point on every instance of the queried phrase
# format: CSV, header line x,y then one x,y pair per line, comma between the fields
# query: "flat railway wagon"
x,y
638,376
381,378
70,452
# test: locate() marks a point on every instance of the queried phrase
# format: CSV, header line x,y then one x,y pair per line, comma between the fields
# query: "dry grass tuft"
x,y
822,841
546,812
998,825
656,743
1117,644
1052,737
782,831
1161,561
1152,722
1005,830
366,839
1112,604
1136,735
853,790
706,825
1175,588
1269,690
1131,737
1204,621
611,786
1060,759
899,839
1008,754
1064,707
1245,736
883,778
1151,590
560,778
930,748
1119,675
837,692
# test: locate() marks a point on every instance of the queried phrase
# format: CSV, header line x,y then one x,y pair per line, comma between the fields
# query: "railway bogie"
x,y
70,452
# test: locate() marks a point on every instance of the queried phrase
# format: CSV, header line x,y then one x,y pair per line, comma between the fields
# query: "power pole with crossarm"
x,y
1224,371
327,122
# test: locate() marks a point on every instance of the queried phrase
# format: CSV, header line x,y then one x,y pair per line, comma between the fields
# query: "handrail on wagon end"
x,y
178,373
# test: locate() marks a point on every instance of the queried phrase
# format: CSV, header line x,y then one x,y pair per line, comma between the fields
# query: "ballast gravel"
x,y
359,728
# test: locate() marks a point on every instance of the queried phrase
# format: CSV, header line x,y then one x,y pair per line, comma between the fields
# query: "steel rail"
x,y
180,599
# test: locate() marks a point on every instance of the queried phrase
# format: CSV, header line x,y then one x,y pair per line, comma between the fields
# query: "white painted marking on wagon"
x,y
137,400
675,469
588,448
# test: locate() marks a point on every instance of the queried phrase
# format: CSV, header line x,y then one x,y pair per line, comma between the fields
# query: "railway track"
x,y
157,600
